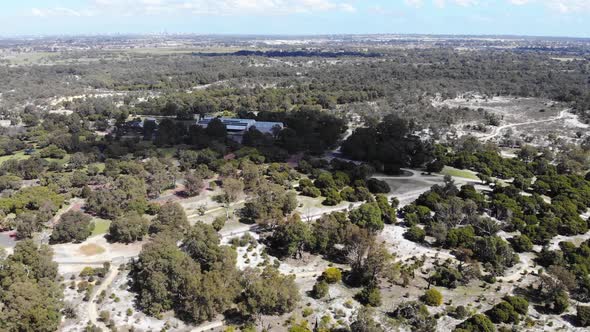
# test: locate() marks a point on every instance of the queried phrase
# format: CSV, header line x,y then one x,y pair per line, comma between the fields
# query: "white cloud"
x,y
442,3
519,2
562,6
198,7
221,7
466,3
414,3
58,11
570,6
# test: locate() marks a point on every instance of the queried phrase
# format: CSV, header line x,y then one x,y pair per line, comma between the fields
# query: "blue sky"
x,y
515,17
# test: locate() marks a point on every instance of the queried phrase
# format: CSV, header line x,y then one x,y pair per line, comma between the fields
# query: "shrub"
x,y
522,243
332,197
477,323
432,297
519,303
378,187
416,315
370,296
460,312
320,289
218,223
332,275
503,312
104,316
415,234
559,303
446,277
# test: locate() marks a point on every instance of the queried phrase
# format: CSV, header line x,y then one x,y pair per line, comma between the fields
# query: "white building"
x,y
234,125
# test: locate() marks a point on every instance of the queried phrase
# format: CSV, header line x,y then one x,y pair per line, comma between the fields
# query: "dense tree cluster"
x,y
73,226
199,279
450,215
30,295
389,146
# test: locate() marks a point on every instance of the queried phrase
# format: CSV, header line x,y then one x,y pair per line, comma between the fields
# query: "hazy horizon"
x,y
535,18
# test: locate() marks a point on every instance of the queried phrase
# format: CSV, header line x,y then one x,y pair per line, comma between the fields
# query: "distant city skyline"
x,y
567,18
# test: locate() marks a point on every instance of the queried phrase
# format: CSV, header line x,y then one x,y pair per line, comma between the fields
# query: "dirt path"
x,y
196,215
497,130
74,203
106,283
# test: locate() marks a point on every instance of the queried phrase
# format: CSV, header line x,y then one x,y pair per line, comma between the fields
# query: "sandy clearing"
x,y
106,283
496,131
71,258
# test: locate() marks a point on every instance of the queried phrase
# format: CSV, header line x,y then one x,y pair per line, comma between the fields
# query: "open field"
x,y
462,173
101,226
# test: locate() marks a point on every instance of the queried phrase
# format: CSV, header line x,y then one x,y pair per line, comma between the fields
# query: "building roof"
x,y
265,126
235,124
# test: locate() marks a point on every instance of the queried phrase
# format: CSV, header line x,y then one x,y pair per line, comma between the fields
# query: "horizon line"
x,y
313,35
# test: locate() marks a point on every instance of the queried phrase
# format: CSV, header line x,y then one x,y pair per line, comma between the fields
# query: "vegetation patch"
x,y
101,226
460,173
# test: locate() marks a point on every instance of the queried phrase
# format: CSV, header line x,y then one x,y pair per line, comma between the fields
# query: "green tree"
x,y
193,184
370,296
216,129
29,291
202,245
129,228
415,234
73,226
268,293
388,209
367,216
171,218
270,204
291,237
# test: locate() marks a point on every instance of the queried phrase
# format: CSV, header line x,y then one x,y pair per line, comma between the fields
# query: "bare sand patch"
x,y
91,249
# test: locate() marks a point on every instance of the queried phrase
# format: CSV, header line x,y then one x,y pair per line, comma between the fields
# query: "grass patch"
x,y
61,161
100,166
17,156
460,173
101,226
168,152
91,249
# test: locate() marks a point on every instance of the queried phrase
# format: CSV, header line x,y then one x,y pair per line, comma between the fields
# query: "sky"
x,y
296,17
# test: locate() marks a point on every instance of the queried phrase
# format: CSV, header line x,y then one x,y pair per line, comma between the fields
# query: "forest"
x,y
361,214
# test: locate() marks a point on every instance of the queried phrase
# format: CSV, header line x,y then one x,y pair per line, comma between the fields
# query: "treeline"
x,y
289,54
404,78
